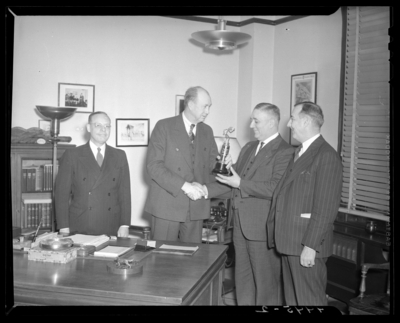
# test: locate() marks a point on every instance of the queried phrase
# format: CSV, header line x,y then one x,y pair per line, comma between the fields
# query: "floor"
x,y
229,296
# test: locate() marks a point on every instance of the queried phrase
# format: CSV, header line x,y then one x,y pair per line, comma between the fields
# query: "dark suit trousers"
x,y
189,231
304,286
257,270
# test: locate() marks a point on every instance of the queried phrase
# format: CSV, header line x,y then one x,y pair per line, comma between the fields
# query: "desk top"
x,y
166,279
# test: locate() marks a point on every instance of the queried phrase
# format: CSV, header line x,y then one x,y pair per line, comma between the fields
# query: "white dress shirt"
x,y
266,141
307,144
188,123
93,147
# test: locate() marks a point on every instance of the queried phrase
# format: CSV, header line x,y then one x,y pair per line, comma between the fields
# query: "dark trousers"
x,y
257,270
304,286
189,231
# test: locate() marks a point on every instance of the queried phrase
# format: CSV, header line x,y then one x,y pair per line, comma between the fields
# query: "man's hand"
x,y
228,161
233,181
307,257
192,191
123,231
202,187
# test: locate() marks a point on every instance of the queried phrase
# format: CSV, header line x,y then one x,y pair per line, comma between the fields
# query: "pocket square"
x,y
305,215
305,172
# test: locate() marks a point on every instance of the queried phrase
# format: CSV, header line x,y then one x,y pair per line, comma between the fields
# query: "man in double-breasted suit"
x,y
182,150
304,207
92,191
255,176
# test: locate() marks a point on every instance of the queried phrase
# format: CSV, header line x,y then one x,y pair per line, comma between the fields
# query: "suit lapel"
x,y
108,163
88,161
304,161
181,138
246,157
265,154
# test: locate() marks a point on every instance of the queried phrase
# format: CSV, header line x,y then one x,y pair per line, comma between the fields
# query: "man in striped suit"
x,y
304,207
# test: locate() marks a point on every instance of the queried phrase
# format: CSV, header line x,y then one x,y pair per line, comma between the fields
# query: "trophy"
x,y
220,167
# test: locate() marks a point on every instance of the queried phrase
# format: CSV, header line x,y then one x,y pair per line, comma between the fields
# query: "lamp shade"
x,y
221,39
234,146
55,114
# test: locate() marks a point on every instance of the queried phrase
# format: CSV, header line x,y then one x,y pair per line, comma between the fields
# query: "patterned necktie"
x,y
296,155
99,157
191,134
261,145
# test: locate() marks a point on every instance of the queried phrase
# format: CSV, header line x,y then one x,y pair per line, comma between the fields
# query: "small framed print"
x,y
132,132
44,125
303,88
79,96
179,104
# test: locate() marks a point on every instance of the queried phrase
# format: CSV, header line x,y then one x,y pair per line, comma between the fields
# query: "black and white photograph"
x,y
239,158
79,96
132,132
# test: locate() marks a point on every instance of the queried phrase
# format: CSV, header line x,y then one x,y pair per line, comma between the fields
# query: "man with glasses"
x,y
92,190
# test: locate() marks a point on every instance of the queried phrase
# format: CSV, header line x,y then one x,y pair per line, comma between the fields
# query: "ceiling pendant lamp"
x,y
221,39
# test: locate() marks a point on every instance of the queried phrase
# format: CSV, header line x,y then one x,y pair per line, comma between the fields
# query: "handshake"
x,y
195,190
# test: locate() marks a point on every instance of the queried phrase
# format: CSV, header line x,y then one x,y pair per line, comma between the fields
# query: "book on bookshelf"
x,y
36,206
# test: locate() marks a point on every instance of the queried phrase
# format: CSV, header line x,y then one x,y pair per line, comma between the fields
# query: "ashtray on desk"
x,y
56,244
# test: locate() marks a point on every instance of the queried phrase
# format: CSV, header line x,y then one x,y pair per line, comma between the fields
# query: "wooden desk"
x,y
166,280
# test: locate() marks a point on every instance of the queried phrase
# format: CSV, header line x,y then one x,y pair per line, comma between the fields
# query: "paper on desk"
x,y
166,246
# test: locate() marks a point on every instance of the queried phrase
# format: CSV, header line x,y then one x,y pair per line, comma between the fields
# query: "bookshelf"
x,y
32,184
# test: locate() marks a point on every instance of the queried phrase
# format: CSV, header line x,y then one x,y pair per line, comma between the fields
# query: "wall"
x,y
311,44
137,64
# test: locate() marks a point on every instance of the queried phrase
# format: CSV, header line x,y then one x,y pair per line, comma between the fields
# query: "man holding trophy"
x,y
255,175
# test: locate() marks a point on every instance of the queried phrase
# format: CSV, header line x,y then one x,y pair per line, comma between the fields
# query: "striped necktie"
x,y
99,157
296,155
260,145
191,134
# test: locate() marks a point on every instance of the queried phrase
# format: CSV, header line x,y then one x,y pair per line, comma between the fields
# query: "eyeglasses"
x,y
101,126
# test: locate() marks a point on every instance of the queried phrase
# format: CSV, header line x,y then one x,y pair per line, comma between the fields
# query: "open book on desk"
x,y
176,250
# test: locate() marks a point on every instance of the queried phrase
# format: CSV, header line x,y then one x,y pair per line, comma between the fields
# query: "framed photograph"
x,y
79,96
132,132
303,88
45,125
179,104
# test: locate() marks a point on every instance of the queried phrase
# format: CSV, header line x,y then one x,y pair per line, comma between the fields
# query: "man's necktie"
x,y
99,157
261,145
191,134
296,155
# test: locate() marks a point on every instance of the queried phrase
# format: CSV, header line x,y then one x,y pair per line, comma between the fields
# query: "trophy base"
x,y
217,170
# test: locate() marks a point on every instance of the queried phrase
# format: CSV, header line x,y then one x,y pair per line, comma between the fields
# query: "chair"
x,y
374,304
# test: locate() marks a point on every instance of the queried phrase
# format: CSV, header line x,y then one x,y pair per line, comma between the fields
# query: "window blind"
x,y
366,112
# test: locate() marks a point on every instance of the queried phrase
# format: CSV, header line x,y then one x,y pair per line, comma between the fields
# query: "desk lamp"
x,y
55,114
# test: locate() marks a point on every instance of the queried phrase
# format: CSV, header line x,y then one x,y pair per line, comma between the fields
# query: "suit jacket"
x,y
170,165
100,197
306,202
259,178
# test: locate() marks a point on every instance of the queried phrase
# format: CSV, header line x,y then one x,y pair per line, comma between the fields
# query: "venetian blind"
x,y
366,113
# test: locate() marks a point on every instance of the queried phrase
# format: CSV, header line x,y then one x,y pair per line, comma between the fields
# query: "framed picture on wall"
x,y
132,132
179,104
303,88
79,96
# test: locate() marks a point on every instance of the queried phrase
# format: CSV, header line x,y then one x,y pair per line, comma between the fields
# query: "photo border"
x,y
179,104
294,79
61,94
121,122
